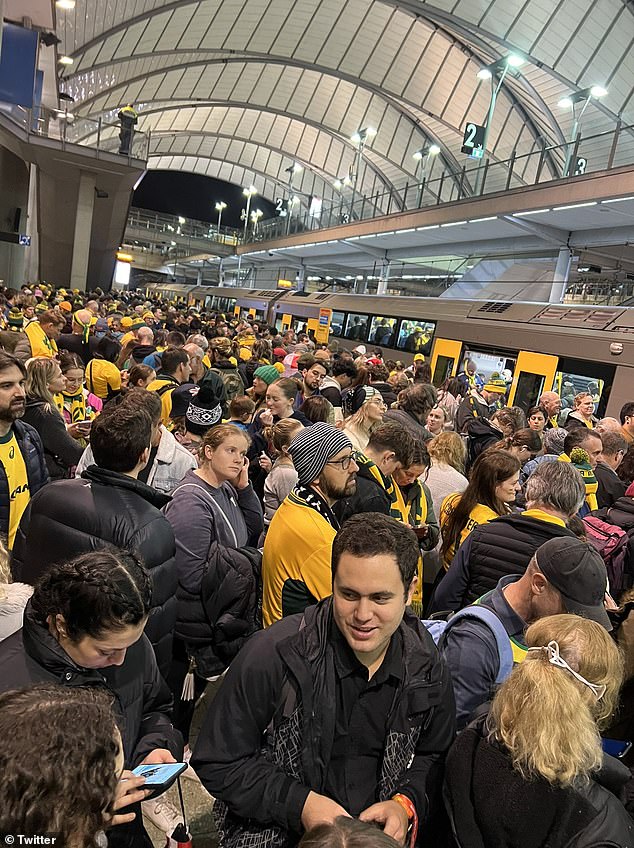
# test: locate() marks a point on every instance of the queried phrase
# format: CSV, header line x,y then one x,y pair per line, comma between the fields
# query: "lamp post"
x,y
248,193
424,156
571,101
181,221
496,72
360,138
219,207
255,217
295,168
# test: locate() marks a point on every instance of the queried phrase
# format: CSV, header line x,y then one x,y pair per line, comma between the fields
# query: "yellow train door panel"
x,y
534,374
445,360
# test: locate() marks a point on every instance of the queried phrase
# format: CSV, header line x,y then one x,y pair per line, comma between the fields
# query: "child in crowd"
x,y
241,411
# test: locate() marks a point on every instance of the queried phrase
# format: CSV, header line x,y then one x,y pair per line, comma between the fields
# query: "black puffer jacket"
x,y
71,517
32,452
481,434
61,451
142,702
491,804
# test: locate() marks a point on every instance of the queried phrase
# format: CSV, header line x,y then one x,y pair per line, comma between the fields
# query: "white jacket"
x,y
12,607
171,463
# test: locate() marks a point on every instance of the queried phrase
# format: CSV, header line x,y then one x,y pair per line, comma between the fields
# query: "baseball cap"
x,y
419,357
578,573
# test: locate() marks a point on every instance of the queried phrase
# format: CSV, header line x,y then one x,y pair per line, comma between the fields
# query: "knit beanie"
x,y
126,322
313,447
268,373
15,320
65,306
495,384
204,410
353,399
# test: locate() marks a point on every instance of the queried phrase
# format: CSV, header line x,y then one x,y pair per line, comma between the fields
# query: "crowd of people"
x,y
415,599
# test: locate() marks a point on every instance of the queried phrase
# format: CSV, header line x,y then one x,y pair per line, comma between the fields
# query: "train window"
x,y
336,323
382,331
490,362
444,364
575,376
416,336
356,327
529,388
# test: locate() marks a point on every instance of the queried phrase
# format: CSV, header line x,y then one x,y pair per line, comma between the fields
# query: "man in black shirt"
x,y
353,702
611,488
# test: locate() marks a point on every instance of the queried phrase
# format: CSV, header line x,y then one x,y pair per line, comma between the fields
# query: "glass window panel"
x,y
356,327
416,336
336,324
382,331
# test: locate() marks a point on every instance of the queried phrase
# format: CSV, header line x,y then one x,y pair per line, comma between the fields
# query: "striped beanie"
x,y
313,447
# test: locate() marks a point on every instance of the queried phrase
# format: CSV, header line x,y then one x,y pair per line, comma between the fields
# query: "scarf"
x,y
315,501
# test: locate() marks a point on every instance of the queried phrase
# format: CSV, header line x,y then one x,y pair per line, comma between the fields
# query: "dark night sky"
x,y
195,196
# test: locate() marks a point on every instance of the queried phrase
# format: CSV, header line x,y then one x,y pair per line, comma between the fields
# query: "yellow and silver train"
x,y
537,346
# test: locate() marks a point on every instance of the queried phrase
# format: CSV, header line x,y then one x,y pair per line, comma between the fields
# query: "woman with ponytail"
x,y
532,773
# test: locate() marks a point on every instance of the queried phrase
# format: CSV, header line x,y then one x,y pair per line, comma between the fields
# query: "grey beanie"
x,y
554,440
313,447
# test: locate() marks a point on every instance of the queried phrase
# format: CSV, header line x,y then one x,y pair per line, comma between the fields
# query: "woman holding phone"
x,y
213,509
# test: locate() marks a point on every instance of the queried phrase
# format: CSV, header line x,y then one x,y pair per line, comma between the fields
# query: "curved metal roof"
x,y
241,89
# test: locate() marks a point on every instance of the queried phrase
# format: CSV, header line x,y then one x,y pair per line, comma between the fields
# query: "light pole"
x,y
496,72
255,217
360,138
571,102
295,168
423,156
248,193
181,221
219,207
339,184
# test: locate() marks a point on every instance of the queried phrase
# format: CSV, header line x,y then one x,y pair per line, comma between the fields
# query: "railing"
x,y
67,129
173,226
476,178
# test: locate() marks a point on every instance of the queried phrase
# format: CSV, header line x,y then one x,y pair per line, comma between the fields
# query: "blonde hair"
x,y
281,434
545,717
359,419
39,372
580,397
450,449
5,571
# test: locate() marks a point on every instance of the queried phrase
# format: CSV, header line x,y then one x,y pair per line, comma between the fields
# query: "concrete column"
x,y
385,273
32,253
83,231
561,275
199,277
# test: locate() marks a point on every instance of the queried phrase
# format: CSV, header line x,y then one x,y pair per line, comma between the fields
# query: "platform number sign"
x,y
473,141
580,166
281,207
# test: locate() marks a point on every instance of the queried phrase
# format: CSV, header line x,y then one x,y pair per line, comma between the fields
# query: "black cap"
x,y
576,570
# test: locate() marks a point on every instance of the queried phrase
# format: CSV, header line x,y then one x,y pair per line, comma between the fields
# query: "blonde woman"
x,y
282,477
582,414
528,774
446,474
365,407
62,451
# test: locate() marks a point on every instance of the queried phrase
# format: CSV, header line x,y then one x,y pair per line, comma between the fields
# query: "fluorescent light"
x,y
574,206
430,227
618,199
454,224
598,91
67,5
530,212
480,220
484,74
565,103
410,230
66,60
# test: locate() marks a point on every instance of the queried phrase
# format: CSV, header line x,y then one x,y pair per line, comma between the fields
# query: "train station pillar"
x,y
83,230
383,280
300,278
199,277
561,275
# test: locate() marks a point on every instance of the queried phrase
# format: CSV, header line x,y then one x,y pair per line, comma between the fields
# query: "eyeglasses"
x,y
345,462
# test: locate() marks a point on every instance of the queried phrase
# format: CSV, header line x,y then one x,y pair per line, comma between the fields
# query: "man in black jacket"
x,y
107,505
611,488
554,493
22,466
390,447
357,705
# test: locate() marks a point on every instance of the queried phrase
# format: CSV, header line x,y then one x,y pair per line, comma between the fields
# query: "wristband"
x,y
412,816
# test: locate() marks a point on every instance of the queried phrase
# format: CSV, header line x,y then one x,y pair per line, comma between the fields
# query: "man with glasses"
x,y
312,372
297,549
610,488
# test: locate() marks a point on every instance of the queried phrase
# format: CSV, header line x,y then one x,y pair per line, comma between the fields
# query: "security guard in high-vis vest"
x,y
128,118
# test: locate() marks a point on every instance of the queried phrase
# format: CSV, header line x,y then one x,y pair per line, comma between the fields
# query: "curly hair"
x,y
106,589
449,449
547,719
39,726
418,400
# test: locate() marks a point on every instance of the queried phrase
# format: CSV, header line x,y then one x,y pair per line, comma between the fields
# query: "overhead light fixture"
x,y
598,91
434,150
66,60
570,100
514,60
363,135
249,192
501,66
181,220
484,74
565,103
220,206
338,184
67,5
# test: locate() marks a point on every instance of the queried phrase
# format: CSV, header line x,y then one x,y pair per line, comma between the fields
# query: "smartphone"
x,y
616,747
160,776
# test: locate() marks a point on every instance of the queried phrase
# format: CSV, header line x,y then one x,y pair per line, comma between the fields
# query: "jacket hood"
x,y
480,428
139,352
622,512
112,478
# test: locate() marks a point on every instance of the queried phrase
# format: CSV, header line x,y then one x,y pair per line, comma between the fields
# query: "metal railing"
x,y
476,178
69,129
174,227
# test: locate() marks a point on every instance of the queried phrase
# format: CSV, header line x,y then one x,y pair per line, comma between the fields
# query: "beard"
x,y
12,411
336,493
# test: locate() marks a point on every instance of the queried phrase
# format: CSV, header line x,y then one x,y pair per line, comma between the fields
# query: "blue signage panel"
x,y
17,65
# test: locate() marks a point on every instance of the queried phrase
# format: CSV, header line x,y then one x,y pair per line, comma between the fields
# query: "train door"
x,y
534,374
445,360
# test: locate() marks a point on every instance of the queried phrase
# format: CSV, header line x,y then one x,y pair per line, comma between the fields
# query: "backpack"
x,y
232,381
438,630
611,542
